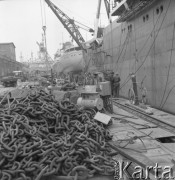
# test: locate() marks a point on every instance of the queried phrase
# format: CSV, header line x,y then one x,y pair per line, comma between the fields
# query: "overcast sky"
x,y
21,23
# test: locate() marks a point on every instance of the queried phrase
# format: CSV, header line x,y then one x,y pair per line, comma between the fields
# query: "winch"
x,y
90,98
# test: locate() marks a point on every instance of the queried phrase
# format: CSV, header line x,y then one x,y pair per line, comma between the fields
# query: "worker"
x,y
116,85
96,82
111,79
95,79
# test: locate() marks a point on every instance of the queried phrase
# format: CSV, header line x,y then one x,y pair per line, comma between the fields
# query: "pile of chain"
x,y
68,87
40,137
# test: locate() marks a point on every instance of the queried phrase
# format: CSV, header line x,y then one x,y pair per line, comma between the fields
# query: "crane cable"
x,y
169,67
43,13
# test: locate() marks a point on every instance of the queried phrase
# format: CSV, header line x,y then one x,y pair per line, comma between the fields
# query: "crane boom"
x,y
107,5
68,23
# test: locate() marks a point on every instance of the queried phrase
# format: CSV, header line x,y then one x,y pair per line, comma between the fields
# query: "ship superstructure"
x,y
70,59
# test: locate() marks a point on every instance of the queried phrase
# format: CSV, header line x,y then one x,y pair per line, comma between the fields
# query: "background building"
x,y
8,62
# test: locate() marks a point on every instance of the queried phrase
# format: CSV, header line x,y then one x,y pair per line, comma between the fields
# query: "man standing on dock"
x,y
116,85
111,79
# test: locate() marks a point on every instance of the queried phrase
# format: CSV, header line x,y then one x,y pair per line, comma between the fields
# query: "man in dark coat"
x,y
111,79
116,85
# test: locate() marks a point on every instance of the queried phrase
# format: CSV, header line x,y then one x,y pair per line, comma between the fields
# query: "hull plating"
x,y
147,49
69,62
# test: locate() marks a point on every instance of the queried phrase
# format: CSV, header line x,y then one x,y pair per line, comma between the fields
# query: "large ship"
x,y
140,41
69,59
42,64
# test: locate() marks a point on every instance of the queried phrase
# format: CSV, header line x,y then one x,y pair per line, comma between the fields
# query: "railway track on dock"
x,y
145,116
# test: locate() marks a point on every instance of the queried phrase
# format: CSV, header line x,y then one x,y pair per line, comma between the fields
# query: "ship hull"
x,y
70,62
145,49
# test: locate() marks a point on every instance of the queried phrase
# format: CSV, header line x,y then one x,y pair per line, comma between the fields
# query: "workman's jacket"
x,y
116,81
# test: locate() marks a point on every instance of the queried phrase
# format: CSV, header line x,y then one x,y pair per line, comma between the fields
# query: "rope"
x,y
127,80
168,69
41,12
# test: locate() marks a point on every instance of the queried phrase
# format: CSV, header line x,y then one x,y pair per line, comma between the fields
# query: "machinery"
x,y
20,75
92,99
9,81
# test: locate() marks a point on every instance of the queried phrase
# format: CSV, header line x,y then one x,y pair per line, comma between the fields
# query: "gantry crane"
x,y
69,24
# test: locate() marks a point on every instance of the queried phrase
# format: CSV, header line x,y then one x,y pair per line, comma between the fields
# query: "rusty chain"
x,y
40,137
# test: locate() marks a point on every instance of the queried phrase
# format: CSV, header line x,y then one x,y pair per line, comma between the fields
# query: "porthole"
x,y
157,11
147,17
161,9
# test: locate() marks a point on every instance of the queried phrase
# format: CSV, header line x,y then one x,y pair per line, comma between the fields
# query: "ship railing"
x,y
119,7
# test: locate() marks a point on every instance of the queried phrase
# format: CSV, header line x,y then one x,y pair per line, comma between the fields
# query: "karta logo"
x,y
159,172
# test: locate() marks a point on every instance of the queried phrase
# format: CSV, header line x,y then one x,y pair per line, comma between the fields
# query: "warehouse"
x,y
8,61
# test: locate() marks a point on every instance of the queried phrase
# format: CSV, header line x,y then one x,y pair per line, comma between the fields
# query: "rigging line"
x,y
168,67
41,12
120,52
146,39
154,39
123,58
44,14
124,45
75,14
81,24
150,35
90,59
111,44
135,42
127,80
121,49
167,96
120,36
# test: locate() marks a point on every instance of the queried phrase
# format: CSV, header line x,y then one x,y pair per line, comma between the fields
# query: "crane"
x,y
69,24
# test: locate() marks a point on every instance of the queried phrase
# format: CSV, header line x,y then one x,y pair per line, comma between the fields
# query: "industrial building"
x,y
8,61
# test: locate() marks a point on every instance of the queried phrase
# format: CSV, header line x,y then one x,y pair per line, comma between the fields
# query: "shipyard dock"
x,y
144,138
99,109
